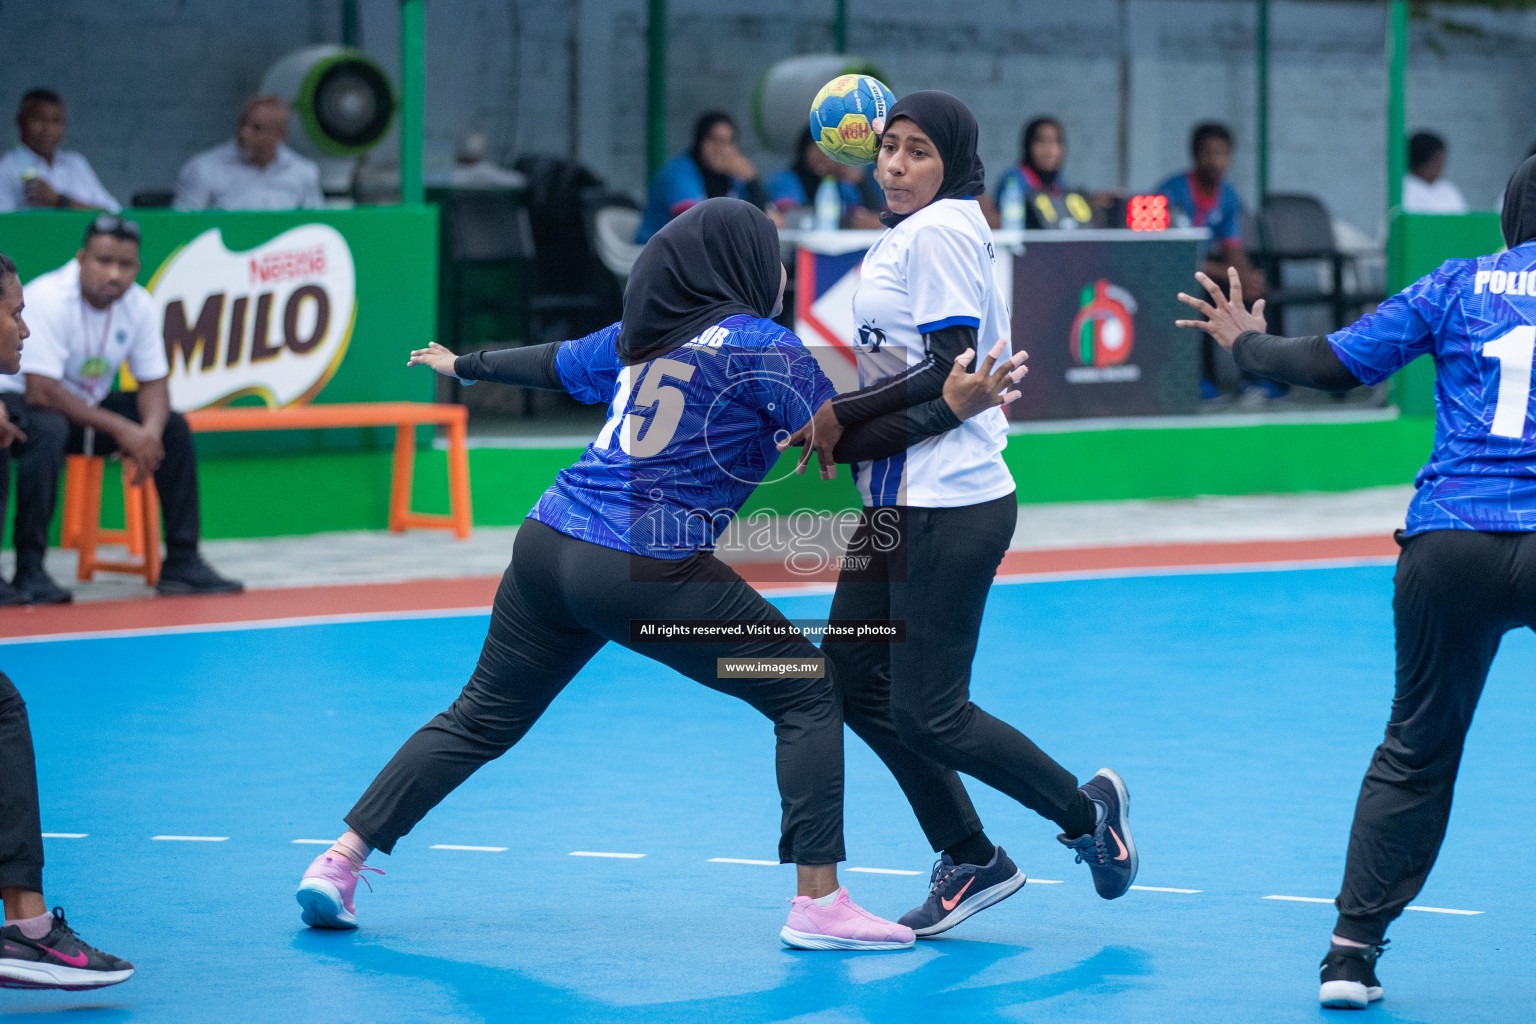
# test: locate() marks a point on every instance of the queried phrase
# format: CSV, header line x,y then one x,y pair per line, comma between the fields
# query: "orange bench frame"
x,y
405,417
81,528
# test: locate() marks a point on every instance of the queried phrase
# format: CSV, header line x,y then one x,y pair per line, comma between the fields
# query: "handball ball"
x,y
848,116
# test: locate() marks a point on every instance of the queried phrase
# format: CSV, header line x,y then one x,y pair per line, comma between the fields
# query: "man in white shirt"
x,y
1425,187
252,171
37,173
87,319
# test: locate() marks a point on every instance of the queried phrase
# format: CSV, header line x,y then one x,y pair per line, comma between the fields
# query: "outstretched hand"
x,y
435,356
1225,318
820,435
970,393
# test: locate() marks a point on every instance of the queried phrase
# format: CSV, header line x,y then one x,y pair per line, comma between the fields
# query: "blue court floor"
x,y
1241,709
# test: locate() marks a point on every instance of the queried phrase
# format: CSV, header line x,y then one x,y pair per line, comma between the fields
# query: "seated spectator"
x,y
37,173
252,171
794,188
473,169
711,168
1425,187
86,319
1049,202
1202,197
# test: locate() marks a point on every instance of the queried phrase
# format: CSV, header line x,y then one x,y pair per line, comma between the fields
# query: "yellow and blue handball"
x,y
848,116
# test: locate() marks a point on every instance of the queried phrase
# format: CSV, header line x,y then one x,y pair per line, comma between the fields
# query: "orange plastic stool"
x,y
81,528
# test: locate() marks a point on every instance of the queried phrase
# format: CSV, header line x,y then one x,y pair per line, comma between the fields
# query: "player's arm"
x,y
918,385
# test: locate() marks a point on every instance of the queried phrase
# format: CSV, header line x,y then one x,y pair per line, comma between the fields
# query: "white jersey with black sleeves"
x,y
933,270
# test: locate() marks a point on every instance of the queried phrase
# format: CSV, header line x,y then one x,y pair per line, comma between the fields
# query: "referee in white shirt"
x,y
37,173
252,171
87,319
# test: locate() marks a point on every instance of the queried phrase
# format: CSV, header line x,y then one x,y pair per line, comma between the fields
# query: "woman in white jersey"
x,y
927,293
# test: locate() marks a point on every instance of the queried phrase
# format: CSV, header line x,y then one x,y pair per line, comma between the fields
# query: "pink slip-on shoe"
x,y
843,925
325,893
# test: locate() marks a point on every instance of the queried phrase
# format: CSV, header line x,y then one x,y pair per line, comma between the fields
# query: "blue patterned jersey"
x,y
689,435
1476,318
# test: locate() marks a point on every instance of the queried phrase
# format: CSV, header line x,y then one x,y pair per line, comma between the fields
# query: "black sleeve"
x,y
532,366
894,432
1309,362
919,384
757,194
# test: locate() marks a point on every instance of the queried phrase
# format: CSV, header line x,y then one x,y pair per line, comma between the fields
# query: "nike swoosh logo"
x,y
952,904
1123,853
78,960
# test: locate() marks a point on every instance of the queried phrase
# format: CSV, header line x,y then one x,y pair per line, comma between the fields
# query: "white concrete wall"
x,y
150,81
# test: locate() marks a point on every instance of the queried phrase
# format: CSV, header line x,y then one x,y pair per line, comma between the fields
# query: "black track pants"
x,y
21,830
932,568
1457,593
559,602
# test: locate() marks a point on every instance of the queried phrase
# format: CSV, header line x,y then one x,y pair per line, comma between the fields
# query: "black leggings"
x,y
932,568
21,830
1457,593
559,602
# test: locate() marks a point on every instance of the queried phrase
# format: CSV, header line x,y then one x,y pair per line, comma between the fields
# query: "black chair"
x,y
1294,228
573,293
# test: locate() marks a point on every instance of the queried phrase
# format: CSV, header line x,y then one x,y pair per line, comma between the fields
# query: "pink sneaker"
x,y
843,925
326,891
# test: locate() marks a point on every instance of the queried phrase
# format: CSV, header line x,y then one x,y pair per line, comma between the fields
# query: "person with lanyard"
x,y
38,174
1466,573
701,384
713,167
938,517
1049,202
37,949
795,187
88,318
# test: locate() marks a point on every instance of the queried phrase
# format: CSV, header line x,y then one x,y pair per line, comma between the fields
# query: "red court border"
x,y
474,592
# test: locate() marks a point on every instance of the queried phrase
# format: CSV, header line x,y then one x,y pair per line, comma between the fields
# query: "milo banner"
x,y
274,308
1096,316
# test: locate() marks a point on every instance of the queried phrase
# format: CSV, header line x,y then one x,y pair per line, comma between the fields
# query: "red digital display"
x,y
1147,213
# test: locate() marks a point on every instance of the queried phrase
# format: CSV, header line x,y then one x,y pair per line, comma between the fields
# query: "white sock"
x,y
827,900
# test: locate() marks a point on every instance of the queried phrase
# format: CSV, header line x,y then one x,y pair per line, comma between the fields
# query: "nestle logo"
x,y
286,266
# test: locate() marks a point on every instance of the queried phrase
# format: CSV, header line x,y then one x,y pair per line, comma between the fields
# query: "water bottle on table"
x,y
829,205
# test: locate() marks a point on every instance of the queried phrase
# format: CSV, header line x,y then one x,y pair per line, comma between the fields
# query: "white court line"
x,y
476,849
1044,881
241,626
738,860
885,871
192,839
1447,910
1163,888
619,856
315,842
1300,899
65,835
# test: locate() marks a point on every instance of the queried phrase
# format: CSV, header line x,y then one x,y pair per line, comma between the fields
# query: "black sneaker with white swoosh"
x,y
1108,850
57,960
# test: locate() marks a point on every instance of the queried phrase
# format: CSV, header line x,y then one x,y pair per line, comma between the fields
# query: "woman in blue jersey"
x,y
928,291
700,383
1467,571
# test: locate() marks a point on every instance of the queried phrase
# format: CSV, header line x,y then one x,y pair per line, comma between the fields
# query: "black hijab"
x,y
1519,217
947,122
715,183
1031,130
718,258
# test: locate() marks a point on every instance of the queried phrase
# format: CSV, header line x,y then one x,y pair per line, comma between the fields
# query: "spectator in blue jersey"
x,y
794,188
1202,197
711,168
1467,571
701,385
1042,154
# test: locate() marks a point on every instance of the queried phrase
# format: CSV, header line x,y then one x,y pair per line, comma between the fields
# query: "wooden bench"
x,y
405,417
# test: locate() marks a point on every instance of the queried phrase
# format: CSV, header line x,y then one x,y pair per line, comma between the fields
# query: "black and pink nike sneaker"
x,y
1108,850
58,960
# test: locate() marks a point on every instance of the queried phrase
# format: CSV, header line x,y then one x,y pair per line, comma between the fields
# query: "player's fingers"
x,y
963,360
1258,309
1212,289
1199,325
1008,396
1198,305
993,354
1235,287
1017,375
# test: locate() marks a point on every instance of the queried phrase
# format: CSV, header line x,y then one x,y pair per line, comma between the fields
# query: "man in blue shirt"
x,y
1203,198
1467,572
